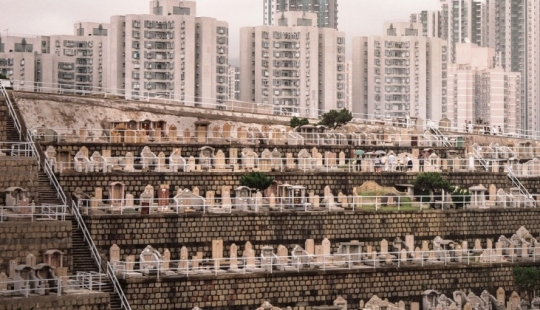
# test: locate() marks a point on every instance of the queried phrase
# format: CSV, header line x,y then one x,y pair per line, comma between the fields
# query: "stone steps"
x,y
83,261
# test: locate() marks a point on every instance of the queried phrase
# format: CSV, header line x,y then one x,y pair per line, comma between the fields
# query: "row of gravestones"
x,y
520,247
34,278
433,300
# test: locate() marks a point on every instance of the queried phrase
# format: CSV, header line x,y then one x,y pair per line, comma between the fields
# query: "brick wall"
x,y
94,301
338,181
133,233
18,239
312,288
19,172
4,115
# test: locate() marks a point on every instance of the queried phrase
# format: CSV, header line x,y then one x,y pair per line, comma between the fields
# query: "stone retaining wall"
x,y
4,115
19,172
312,288
133,233
338,181
94,301
18,239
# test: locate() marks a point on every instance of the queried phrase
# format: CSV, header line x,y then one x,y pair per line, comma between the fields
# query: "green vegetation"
x,y
296,122
334,119
256,180
460,196
3,77
431,183
527,280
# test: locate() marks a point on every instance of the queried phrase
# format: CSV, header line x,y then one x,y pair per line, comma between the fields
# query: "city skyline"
x,y
356,17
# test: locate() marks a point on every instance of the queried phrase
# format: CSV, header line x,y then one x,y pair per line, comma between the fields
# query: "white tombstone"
x,y
233,260
114,253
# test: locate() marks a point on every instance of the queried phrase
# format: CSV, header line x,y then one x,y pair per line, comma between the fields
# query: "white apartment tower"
x,y
481,92
326,10
295,66
18,59
171,54
400,74
60,63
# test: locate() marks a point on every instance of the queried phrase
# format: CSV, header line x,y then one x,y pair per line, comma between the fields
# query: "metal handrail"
x,y
521,187
97,257
438,133
117,287
480,159
11,109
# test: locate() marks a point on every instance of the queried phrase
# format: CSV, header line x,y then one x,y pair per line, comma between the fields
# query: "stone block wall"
x,y
4,115
338,181
132,233
18,239
19,172
93,301
312,288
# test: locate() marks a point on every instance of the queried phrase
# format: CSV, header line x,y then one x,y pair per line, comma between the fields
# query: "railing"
x,y
529,198
34,212
192,164
163,136
82,281
431,126
97,257
117,288
480,159
17,149
272,263
11,110
191,203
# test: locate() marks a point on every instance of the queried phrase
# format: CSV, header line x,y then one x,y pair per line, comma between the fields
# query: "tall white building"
x,y
297,67
170,54
481,92
326,10
60,63
400,74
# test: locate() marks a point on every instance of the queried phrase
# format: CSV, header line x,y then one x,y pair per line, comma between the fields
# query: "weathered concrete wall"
x,y
18,239
312,288
133,233
94,301
4,115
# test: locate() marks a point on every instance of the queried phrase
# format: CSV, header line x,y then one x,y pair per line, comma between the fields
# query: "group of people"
x,y
380,163
484,128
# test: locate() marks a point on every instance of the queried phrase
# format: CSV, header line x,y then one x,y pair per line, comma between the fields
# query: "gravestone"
x,y
310,246
30,260
384,247
114,253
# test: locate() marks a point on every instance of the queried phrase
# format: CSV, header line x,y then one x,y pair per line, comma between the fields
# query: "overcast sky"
x,y
48,17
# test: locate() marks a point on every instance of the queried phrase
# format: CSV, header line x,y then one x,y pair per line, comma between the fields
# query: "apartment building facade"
x,y
480,91
170,54
326,10
297,67
400,74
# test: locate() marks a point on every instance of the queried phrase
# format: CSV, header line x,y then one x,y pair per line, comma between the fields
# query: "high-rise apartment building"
x,y
326,10
18,59
297,67
481,92
400,74
458,21
59,63
170,53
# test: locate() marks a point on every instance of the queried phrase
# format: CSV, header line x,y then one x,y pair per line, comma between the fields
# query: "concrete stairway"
x,y
82,261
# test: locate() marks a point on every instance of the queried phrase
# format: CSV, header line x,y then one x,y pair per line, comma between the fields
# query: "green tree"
x,y
296,122
430,182
256,180
334,119
3,77
460,196
527,280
